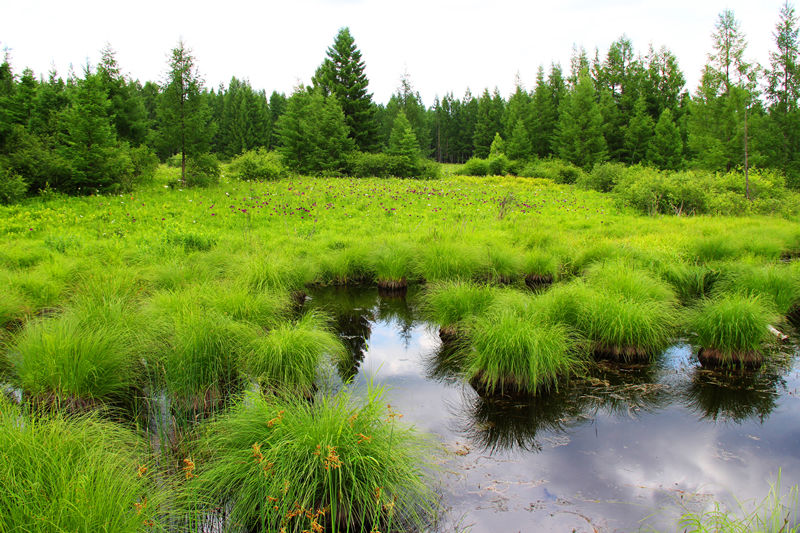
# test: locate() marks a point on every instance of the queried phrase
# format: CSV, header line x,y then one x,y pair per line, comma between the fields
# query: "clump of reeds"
x,y
289,355
512,354
776,284
281,461
731,329
75,474
450,303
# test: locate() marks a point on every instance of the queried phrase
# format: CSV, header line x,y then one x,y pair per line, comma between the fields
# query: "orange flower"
x,y
257,452
276,420
332,460
189,468
363,438
142,470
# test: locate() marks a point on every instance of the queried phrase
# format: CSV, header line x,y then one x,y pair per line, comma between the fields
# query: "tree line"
x,y
102,130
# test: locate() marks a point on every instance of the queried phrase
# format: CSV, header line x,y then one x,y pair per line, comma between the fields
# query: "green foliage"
x,y
12,187
403,147
258,165
289,355
731,324
498,165
776,284
512,354
85,356
75,474
666,147
554,169
451,303
282,461
475,167
202,170
313,134
579,137
603,177
342,75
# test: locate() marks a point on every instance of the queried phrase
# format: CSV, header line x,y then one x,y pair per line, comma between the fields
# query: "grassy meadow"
x,y
161,334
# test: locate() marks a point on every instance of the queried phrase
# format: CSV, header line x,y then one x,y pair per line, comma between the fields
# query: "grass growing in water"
x,y
74,474
281,462
289,355
776,513
514,355
451,302
732,328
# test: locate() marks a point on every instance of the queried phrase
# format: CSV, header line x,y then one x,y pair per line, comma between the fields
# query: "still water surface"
x,y
628,448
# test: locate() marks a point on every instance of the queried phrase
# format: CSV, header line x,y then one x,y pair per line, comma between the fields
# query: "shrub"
x,y
75,474
554,169
12,187
512,354
258,165
603,177
202,170
284,462
498,165
366,165
475,167
144,164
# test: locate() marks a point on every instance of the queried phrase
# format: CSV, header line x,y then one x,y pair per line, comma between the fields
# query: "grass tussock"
x,y
75,474
731,328
289,356
776,284
449,303
329,465
515,355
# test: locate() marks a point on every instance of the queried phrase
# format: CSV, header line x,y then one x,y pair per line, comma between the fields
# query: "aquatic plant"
x,y
449,303
281,461
289,355
77,474
776,284
731,329
514,355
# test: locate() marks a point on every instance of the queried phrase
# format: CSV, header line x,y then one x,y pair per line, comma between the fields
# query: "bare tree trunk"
x,y
746,175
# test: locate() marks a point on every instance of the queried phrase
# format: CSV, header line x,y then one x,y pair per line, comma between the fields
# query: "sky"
x,y
443,46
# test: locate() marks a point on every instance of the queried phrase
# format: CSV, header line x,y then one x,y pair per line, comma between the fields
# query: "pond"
x,y
624,448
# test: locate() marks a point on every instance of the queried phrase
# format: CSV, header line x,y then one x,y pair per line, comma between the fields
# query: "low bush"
x,y
202,170
258,165
12,187
553,169
498,165
284,463
603,177
475,167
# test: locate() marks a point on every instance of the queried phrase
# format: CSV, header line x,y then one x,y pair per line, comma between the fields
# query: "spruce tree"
x,y
638,133
403,145
579,138
126,109
184,115
313,133
666,147
342,74
519,144
488,123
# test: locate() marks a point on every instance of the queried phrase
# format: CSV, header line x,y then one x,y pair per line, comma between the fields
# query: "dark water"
x,y
628,448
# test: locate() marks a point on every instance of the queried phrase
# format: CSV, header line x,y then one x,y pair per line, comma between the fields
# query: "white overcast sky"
x,y
443,45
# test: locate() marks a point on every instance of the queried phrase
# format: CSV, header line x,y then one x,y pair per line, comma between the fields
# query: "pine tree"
x,y
488,123
313,133
184,116
342,74
543,119
638,133
516,109
579,138
666,146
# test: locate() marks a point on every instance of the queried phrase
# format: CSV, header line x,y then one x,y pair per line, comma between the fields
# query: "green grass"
x,y
279,461
515,355
776,284
734,326
450,303
85,356
290,355
776,513
75,475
